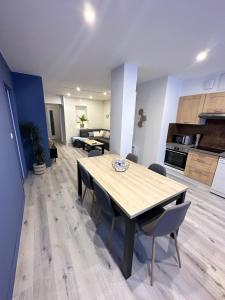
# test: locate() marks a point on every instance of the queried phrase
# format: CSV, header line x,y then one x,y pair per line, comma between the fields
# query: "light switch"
x,y
11,135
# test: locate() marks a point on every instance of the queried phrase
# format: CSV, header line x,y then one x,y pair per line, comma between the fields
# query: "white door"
x,y
53,121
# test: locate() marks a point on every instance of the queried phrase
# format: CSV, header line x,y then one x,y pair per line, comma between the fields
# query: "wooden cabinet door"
x,y
201,166
214,103
189,109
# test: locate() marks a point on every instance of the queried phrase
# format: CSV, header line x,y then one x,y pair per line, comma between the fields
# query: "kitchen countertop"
x,y
189,147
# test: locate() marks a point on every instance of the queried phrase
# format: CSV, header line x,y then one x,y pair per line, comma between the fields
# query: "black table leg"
x,y
180,200
79,182
103,149
128,247
83,146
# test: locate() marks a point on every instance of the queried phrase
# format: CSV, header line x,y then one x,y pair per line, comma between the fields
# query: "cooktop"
x,y
215,150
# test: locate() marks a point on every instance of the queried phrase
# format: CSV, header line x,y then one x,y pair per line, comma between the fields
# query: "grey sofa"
x,y
84,133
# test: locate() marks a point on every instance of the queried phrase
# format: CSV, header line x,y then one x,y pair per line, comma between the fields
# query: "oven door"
x,y
176,159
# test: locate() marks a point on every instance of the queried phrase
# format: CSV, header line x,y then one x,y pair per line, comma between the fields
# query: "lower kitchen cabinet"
x,y
201,166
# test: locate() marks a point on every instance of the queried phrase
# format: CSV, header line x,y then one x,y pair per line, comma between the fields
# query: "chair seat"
x,y
147,220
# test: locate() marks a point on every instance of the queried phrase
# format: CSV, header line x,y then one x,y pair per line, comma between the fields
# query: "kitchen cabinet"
x,y
189,108
201,166
214,103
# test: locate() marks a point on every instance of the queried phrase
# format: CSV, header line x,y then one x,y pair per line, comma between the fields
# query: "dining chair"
x,y
158,169
87,181
132,157
106,206
95,152
160,222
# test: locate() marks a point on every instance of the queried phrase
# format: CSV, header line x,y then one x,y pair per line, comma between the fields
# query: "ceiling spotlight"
x,y
78,88
68,94
202,55
104,93
90,97
89,14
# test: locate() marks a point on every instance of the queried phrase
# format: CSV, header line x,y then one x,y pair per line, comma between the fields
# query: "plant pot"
x,y
81,125
39,169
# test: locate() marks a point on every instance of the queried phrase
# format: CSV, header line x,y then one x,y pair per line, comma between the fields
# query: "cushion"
x,y
102,132
91,133
107,134
96,133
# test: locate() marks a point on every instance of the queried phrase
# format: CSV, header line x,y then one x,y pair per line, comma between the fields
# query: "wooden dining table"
x,y
135,191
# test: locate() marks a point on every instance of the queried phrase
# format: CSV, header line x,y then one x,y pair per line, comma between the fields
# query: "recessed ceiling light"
x,y
78,88
104,93
68,94
202,55
90,97
89,14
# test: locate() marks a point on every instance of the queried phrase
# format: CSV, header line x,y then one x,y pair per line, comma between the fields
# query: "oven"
x,y
176,157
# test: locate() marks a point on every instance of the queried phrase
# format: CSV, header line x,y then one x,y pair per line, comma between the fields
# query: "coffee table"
x,y
92,144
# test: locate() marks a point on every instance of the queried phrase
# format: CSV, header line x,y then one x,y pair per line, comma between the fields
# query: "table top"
x,y
93,142
134,191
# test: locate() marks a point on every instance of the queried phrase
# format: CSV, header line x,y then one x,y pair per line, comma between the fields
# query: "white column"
x,y
123,101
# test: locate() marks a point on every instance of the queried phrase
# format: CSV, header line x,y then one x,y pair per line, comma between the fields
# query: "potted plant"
x,y
30,133
82,119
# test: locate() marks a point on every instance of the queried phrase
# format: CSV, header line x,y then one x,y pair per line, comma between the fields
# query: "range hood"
x,y
215,116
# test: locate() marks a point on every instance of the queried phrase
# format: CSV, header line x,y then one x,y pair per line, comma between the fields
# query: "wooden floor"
x,y
63,254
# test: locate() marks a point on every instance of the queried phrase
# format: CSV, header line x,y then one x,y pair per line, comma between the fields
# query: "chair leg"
x,y
111,233
84,193
177,249
153,260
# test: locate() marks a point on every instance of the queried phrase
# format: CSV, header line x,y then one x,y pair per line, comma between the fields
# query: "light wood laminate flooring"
x,y
63,254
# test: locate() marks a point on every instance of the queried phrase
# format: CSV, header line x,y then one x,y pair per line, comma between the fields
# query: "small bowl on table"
x,y
120,165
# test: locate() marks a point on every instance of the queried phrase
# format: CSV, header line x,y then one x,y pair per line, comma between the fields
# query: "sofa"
x,y
84,133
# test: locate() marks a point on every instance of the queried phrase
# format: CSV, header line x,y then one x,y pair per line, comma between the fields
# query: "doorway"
x,y
53,117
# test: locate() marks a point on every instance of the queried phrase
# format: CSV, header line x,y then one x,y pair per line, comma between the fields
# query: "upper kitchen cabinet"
x,y
214,103
189,108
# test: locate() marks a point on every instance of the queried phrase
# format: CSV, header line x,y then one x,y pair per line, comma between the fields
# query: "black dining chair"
x,y
88,183
95,152
106,206
132,157
159,222
158,169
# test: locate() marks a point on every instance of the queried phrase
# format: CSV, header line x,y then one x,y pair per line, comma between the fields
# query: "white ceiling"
x,y
50,38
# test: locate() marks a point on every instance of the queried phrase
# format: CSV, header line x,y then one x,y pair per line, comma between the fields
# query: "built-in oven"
x,y
176,157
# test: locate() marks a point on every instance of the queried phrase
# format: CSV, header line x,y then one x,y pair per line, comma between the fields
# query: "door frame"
x,y
8,92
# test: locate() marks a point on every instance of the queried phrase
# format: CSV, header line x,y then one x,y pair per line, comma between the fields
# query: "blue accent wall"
x,y
11,188
29,97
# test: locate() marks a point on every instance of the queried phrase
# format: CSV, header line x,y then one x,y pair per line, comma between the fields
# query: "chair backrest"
x,y
95,152
103,199
132,157
171,219
86,178
158,169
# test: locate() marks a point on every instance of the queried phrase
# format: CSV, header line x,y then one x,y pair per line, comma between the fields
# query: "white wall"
x,y
150,97
53,99
95,110
196,86
123,99
106,111
173,90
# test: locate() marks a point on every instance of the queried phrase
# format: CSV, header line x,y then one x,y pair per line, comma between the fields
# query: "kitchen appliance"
x,y
218,185
176,156
184,139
